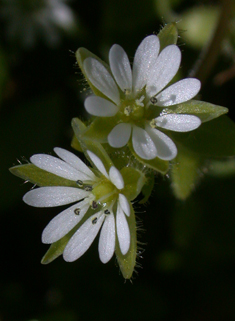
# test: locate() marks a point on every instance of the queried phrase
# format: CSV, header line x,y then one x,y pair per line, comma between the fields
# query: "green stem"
x,y
210,52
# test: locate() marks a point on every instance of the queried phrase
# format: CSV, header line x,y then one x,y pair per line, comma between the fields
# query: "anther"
x,y
94,221
106,212
153,100
77,211
79,183
126,91
94,205
88,188
153,123
127,110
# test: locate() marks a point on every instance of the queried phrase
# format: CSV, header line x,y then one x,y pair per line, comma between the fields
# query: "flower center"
x,y
136,109
133,110
105,192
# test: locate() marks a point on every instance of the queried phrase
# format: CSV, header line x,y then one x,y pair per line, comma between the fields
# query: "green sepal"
x,y
184,173
57,248
168,35
89,144
81,54
211,139
133,180
40,177
147,188
99,129
121,157
75,144
127,262
205,111
157,164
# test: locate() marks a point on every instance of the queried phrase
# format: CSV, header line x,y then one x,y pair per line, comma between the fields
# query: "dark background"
x,y
187,270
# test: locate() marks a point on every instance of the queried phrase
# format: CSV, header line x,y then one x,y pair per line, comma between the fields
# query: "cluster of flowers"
x,y
135,112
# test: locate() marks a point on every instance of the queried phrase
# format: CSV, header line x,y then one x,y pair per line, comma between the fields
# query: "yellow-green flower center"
x,y
105,192
135,110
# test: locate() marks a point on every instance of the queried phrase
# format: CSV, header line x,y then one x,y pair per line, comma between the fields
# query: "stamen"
x,y
153,100
126,91
94,205
139,102
127,110
94,221
77,211
88,188
79,183
153,123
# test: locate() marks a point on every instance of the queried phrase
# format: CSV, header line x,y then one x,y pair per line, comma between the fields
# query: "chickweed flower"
x,y
138,98
98,190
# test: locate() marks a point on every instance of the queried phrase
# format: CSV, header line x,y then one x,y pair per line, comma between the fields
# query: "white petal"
x,y
179,92
144,60
124,204
74,161
83,238
101,79
98,163
99,106
166,148
107,239
123,231
164,69
120,67
60,225
119,135
116,177
143,144
57,166
51,196
178,122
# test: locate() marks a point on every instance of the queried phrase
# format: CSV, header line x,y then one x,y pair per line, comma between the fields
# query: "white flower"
x,y
102,190
134,96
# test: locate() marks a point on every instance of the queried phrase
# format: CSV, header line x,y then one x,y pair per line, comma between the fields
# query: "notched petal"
x,y
116,177
178,123
101,79
98,106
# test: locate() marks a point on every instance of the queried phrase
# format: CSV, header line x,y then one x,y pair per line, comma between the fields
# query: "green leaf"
x,y
81,54
168,35
127,262
40,177
211,139
205,111
133,180
184,173
89,144
157,164
147,189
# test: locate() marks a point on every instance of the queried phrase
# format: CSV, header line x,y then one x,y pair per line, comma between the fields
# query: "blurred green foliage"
x,y
188,246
